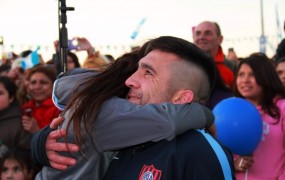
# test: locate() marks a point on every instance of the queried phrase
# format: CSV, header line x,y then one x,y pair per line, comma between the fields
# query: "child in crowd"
x,y
12,133
17,164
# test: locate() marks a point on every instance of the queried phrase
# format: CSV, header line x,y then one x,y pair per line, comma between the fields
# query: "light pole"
x,y
262,39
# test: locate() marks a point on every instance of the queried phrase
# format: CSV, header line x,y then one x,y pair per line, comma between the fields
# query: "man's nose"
x,y
132,81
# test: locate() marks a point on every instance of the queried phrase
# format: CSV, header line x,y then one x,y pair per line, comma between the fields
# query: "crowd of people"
x,y
26,101
145,115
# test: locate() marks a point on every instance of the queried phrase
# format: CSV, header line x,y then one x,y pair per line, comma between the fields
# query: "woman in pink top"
x,y
258,82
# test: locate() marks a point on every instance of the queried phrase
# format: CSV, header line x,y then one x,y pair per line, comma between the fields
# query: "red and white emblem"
x,y
150,173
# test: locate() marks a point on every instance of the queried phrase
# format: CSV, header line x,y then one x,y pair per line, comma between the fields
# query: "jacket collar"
x,y
220,57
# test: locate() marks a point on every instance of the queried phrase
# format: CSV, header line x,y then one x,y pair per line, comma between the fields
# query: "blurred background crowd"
x,y
26,84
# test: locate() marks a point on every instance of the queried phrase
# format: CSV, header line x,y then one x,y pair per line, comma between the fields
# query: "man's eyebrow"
x,y
147,66
208,31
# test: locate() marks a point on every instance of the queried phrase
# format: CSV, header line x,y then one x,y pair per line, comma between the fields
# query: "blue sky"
x,y
25,24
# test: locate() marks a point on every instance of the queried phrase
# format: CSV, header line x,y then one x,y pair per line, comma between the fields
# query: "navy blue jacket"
x,y
188,157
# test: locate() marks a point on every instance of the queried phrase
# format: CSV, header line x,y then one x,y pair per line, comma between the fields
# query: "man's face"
x,y
280,68
150,83
205,37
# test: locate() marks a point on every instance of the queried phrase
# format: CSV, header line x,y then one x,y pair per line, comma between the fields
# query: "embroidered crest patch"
x,y
150,173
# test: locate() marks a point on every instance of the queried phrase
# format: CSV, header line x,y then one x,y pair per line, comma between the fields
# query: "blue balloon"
x,y
239,125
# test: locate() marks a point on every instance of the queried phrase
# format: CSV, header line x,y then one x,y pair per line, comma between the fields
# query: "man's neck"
x,y
214,52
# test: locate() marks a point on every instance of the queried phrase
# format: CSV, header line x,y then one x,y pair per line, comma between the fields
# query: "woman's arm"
x,y
121,124
65,84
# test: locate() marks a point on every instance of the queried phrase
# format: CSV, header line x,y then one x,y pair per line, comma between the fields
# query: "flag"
x,y
28,62
137,30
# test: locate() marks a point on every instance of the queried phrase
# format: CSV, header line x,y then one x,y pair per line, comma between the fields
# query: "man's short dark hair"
x,y
218,29
185,50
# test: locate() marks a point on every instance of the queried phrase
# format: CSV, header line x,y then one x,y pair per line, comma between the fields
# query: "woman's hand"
x,y
243,163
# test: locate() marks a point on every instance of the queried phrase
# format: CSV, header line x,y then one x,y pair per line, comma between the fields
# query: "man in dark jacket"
x,y
192,155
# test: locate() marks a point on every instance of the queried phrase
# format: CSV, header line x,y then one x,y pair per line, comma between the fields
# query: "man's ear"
x,y
182,97
220,39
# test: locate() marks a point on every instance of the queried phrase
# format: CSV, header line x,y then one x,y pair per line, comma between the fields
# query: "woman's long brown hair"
x,y
94,91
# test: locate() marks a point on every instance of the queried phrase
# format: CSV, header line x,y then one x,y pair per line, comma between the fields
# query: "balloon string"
x,y
246,174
